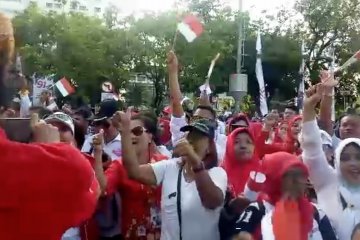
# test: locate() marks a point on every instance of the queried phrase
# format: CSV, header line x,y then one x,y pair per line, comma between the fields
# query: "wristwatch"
x,y
199,168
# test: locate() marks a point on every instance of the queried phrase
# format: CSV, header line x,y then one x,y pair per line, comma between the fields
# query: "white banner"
x,y
260,77
41,84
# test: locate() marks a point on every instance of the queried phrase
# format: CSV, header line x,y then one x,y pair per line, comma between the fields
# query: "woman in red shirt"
x,y
140,204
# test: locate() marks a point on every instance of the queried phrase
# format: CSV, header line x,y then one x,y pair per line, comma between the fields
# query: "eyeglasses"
x,y
138,131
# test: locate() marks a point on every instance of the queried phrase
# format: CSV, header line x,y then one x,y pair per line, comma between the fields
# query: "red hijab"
x,y
289,217
238,171
290,140
277,137
165,134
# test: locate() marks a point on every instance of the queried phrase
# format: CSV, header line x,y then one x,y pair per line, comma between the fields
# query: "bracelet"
x,y
199,168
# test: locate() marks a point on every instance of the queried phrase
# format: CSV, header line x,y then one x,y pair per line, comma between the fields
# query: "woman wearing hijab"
x,y
338,190
282,211
140,204
290,145
240,159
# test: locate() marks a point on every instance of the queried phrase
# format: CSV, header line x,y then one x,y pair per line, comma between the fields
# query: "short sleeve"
x,y
175,125
160,168
115,176
219,177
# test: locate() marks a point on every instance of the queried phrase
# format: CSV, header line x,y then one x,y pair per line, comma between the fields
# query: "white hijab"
x,y
350,193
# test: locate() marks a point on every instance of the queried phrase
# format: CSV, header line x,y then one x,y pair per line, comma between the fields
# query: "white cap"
x,y
63,118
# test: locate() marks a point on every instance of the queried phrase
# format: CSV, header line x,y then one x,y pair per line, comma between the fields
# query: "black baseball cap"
x,y
107,109
203,126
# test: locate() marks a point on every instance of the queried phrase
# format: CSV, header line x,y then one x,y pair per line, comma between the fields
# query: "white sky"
x,y
255,7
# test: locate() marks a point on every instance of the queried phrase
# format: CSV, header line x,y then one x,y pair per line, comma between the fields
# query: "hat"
x,y
63,118
85,112
107,109
203,126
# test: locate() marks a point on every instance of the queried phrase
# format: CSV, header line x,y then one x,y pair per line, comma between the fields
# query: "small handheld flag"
x,y
190,28
65,87
206,86
355,58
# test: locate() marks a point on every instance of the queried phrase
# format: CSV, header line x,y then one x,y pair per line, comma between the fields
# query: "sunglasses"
x,y
138,131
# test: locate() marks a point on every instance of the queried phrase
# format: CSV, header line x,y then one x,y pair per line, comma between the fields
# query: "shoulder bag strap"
x,y
178,200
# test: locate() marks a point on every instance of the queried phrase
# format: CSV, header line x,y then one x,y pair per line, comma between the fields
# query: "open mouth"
x,y
355,173
134,142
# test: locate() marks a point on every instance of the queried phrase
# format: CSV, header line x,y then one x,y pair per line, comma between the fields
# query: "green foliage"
x,y
91,50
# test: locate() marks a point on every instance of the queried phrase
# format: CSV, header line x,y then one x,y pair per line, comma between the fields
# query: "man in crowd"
x,y
102,120
49,186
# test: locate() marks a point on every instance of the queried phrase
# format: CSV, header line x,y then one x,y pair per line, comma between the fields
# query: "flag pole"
x,y
174,40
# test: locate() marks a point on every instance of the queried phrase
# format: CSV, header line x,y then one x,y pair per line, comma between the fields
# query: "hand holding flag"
x,y
65,87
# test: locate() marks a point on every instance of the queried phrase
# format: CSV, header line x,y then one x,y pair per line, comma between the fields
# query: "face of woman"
x,y
350,164
140,138
199,142
296,128
243,146
294,183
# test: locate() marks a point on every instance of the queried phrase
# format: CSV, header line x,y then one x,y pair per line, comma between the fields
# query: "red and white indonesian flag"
x,y
355,58
191,28
64,87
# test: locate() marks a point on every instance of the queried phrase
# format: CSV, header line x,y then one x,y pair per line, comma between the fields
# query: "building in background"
x,y
90,7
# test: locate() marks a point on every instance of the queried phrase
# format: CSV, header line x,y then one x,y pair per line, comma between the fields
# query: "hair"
x,y
292,107
4,99
356,228
208,108
42,111
150,123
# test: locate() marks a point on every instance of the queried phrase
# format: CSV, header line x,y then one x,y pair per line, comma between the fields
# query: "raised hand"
x,y
98,141
172,62
186,151
121,120
269,122
43,132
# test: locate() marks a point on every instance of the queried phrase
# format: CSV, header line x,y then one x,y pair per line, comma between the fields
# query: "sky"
x,y
255,7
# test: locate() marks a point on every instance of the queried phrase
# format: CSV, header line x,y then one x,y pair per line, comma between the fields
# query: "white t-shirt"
x,y
176,135
197,222
112,148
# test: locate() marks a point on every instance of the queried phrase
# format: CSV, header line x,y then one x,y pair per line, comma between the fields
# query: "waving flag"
x,y
190,28
260,77
301,89
355,58
65,87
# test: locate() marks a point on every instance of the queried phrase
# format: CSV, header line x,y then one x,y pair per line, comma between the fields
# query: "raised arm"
x,y
141,173
321,174
174,87
326,105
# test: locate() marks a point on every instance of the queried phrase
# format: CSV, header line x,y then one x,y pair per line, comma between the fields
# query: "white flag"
x,y
260,77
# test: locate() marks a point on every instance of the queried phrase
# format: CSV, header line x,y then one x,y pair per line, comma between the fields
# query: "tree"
x,y
331,25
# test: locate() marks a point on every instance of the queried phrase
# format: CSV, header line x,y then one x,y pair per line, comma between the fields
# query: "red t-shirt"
x,y
140,211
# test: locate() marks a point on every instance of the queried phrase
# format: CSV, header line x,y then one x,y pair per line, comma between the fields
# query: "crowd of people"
x,y
184,175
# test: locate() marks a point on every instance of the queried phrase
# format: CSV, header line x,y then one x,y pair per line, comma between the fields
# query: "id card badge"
x,y
141,231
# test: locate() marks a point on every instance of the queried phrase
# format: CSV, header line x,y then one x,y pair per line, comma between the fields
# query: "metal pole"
x,y
240,37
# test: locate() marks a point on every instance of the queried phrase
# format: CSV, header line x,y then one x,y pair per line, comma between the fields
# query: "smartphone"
x,y
17,129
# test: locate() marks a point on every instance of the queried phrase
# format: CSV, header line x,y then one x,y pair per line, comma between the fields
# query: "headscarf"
x,y
350,193
290,140
238,171
289,217
239,117
165,134
277,137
